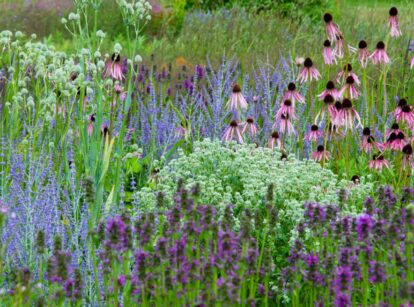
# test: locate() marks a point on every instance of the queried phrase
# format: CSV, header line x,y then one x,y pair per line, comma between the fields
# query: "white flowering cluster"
x,y
135,11
240,175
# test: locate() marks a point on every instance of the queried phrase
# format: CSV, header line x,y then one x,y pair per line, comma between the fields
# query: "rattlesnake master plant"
x,y
240,174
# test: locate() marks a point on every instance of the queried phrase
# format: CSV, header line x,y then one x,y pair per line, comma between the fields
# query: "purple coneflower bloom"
x,y
393,23
347,72
408,156
308,72
286,109
328,55
395,128
396,141
314,134
285,125
368,141
350,88
90,125
113,68
292,94
320,154
378,162
412,63
332,29
274,141
363,53
330,90
406,114
249,127
379,55
233,131
347,115
237,101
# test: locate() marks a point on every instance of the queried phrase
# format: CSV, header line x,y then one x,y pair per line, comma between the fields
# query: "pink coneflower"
x,y
396,141
236,101
105,130
395,128
406,115
412,63
233,132
286,109
285,125
401,103
408,156
314,134
379,55
339,47
378,162
328,55
329,90
249,127
332,29
363,53
321,154
90,125
347,72
275,141
328,106
292,94
308,72
346,115
369,143
349,88
113,68
393,23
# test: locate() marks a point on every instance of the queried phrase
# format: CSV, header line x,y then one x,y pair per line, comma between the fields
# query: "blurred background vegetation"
x,y
190,31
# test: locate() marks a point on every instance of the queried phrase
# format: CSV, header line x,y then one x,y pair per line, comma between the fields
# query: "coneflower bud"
x,y
330,85
40,242
291,86
283,156
408,150
366,131
400,135
327,43
320,148
250,120
327,17
346,103
395,126
329,99
350,80
236,88
314,128
355,179
308,63
393,11
362,44
380,45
